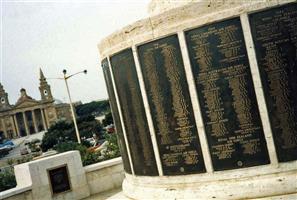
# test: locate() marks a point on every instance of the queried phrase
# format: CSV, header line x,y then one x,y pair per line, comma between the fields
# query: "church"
x,y
29,116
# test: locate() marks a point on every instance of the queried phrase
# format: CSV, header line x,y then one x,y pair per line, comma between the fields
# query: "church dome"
x,y
23,96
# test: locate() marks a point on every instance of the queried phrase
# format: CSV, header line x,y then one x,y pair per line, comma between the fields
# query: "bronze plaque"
x,y
116,116
226,95
134,117
275,37
172,113
59,179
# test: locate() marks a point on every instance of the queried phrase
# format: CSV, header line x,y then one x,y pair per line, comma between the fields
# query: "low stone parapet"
x,y
62,176
18,193
105,175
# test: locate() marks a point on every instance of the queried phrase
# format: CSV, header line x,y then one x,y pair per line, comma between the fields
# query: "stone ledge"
x,y
261,186
244,173
103,164
178,19
14,191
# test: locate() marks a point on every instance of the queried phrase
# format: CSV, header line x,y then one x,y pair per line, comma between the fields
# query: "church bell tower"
x,y
44,88
4,103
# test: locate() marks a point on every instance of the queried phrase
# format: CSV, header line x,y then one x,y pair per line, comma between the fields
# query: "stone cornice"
x,y
178,20
15,109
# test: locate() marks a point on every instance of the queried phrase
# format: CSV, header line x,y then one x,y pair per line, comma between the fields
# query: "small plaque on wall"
x,y
59,179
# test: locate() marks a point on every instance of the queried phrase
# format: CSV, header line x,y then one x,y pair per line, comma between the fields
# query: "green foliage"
x,y
108,119
24,159
7,179
87,157
64,132
34,145
94,108
61,137
91,158
57,133
113,149
68,146
10,161
88,126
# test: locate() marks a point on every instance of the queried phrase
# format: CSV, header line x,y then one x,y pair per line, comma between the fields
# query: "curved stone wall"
x,y
203,94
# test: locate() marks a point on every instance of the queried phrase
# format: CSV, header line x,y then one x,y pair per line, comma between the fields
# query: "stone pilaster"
x,y
13,127
16,125
4,128
43,120
34,121
26,125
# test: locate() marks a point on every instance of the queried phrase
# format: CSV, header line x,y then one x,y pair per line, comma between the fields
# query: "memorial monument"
x,y
203,95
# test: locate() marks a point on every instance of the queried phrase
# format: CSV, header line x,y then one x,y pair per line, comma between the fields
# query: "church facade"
x,y
29,116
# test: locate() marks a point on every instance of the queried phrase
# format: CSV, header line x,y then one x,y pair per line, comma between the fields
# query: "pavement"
x,y
115,194
20,144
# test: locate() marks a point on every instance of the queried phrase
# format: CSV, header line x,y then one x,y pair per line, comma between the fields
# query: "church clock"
x,y
2,100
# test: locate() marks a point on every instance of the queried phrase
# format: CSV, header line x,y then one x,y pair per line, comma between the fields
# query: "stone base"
x,y
35,175
280,183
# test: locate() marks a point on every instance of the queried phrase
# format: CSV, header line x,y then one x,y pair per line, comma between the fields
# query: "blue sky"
x,y
55,35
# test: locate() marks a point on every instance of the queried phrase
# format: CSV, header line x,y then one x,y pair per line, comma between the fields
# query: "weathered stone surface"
x,y
35,174
264,175
85,181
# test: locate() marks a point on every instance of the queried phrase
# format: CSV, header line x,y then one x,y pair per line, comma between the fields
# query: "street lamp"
x,y
71,106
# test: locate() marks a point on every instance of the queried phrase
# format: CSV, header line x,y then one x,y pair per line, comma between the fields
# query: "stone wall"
x,y
105,176
159,6
18,193
85,181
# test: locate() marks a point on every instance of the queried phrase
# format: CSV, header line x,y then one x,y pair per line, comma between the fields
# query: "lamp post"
x,y
70,101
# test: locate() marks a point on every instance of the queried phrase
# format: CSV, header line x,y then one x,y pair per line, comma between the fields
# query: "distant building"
x,y
29,116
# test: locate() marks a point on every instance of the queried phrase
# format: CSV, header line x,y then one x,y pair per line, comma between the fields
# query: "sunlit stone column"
x,y
43,120
13,126
26,125
34,122
4,128
16,125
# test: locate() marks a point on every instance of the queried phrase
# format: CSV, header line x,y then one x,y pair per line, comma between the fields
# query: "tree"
x,y
63,131
61,137
108,119
86,156
7,179
112,150
94,108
